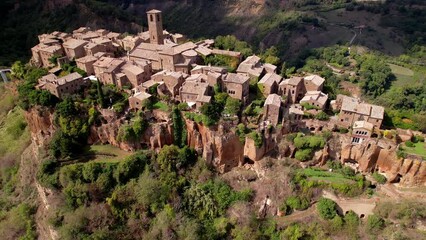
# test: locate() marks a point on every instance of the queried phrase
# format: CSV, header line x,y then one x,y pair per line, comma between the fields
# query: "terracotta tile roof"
x,y
294,81
377,112
142,95
273,99
270,78
154,11
364,125
87,59
315,79
236,78
316,96
74,43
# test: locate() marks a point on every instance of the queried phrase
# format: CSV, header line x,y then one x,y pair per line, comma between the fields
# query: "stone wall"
x,y
380,155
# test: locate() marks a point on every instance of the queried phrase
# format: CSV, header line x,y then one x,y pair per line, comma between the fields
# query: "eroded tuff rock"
x,y
380,155
40,122
158,134
220,147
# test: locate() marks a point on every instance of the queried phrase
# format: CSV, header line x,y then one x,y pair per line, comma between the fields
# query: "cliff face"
x,y
219,147
40,123
380,155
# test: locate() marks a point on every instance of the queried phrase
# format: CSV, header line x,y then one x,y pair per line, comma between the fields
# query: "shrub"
x,y
183,106
322,116
418,138
303,154
297,203
379,178
375,223
258,141
409,144
343,130
327,208
47,174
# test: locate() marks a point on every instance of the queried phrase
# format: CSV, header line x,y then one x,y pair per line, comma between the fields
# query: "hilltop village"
x,y
161,69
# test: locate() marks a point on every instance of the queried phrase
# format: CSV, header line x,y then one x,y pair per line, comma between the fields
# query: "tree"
x,y
303,154
18,69
327,208
101,97
375,223
179,128
232,106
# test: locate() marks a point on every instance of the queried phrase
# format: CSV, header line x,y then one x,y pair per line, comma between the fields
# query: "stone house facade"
x,y
353,110
293,88
61,87
237,86
273,109
270,83
74,48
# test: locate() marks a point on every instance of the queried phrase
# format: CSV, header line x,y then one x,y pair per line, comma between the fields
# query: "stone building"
x,y
41,54
61,87
237,86
251,66
293,88
270,83
86,64
195,93
172,81
155,25
361,131
135,73
313,83
273,109
136,101
353,110
106,68
315,98
203,69
130,42
74,48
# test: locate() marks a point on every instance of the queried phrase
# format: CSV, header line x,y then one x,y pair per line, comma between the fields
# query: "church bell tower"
x,y
155,25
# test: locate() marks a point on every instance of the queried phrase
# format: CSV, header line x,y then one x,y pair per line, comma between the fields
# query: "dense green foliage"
x,y
306,146
379,178
179,128
327,208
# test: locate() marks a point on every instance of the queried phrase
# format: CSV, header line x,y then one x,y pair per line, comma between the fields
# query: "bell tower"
x,y
155,25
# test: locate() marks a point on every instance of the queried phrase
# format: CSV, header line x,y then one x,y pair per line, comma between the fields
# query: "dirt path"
x,y
361,206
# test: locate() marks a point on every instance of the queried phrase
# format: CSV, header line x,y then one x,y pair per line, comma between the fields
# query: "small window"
x,y
151,18
158,18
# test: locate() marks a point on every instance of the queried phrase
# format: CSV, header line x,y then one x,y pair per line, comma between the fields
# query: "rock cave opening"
x,y
248,161
397,179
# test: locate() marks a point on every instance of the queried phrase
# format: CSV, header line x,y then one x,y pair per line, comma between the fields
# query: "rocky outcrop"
x,y
40,122
254,153
158,134
219,146
380,155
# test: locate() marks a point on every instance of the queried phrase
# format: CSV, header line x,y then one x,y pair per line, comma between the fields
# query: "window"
x,y
151,18
292,92
158,18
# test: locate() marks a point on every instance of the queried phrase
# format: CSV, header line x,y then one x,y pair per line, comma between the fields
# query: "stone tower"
x,y
155,25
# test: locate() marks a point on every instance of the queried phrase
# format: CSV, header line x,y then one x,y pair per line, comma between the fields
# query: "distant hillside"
x,y
290,25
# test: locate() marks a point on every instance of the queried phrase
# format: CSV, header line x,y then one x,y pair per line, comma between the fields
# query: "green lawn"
x,y
401,70
404,76
108,153
14,133
418,149
161,106
325,176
